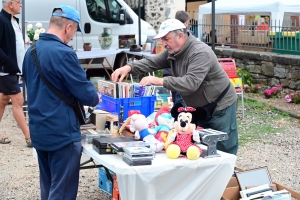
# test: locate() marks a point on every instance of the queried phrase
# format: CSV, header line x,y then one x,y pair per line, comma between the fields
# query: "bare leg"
x,y
17,106
3,102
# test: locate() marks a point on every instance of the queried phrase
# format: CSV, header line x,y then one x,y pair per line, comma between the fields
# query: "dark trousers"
x,y
176,97
59,172
224,120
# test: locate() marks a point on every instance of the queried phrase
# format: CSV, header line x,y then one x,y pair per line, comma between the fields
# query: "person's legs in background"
x,y
10,89
3,102
17,108
225,121
59,172
176,97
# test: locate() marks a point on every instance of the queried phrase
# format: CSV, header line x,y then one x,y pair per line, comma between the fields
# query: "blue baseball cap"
x,y
69,13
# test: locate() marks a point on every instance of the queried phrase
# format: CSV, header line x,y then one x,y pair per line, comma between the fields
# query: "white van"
x,y
95,15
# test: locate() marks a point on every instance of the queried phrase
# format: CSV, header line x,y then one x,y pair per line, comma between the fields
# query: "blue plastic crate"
x,y
112,105
103,182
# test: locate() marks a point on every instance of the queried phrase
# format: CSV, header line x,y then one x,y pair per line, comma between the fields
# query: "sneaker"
x,y
28,142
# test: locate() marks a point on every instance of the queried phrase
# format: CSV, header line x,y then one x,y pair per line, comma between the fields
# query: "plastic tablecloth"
x,y
205,178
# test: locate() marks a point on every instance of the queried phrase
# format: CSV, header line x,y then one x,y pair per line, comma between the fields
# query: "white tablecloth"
x,y
97,53
168,179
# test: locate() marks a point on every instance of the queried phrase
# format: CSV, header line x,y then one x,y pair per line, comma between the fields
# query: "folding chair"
x,y
237,83
229,66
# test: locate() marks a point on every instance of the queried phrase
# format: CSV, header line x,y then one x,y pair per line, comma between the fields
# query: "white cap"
x,y
169,25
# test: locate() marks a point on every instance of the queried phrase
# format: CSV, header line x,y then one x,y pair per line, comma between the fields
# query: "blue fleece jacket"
x,y
52,122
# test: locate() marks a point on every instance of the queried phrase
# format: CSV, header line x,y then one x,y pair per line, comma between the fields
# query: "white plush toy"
x,y
140,125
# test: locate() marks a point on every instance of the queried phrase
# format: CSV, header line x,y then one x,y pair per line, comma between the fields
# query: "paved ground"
x,y
19,177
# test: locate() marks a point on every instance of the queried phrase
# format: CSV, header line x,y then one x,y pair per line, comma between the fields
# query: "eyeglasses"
x,y
19,2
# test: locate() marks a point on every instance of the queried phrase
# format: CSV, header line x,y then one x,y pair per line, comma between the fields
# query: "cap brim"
x,y
79,28
160,35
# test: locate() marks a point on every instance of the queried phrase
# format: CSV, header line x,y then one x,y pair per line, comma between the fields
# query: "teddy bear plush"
x,y
140,125
181,141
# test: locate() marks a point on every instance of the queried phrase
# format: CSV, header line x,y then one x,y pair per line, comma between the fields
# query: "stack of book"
x,y
128,90
135,156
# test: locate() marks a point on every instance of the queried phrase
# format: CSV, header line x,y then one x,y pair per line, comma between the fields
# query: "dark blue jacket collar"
x,y
8,15
49,36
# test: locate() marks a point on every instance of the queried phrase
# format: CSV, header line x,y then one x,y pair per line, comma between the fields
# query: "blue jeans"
x,y
59,172
224,120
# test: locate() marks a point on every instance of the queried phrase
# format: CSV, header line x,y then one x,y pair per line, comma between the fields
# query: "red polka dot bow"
x,y
186,109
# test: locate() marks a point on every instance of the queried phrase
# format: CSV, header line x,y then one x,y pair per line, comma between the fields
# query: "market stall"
x,y
205,178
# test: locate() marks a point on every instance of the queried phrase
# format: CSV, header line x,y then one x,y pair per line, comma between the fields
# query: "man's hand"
x,y
120,73
152,80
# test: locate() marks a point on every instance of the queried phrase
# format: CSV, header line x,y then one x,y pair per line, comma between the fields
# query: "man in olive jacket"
x,y
197,75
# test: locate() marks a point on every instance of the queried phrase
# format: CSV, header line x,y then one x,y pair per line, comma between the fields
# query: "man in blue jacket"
x,y
55,130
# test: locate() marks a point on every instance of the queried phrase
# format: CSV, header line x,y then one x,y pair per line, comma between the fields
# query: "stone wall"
x,y
267,68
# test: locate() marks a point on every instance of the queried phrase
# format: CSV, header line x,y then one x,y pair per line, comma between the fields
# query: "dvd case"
x,y
136,163
118,146
138,151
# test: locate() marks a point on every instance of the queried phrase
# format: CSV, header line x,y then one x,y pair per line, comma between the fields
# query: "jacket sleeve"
x,y
150,64
74,78
199,65
3,57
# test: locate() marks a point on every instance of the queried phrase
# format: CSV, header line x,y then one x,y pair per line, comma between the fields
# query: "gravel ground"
x,y
19,177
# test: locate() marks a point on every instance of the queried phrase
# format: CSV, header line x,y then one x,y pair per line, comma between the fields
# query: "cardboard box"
x,y
103,181
99,119
232,191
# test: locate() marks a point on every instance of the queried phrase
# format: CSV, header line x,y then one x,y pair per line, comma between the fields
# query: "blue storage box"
x,y
112,105
103,181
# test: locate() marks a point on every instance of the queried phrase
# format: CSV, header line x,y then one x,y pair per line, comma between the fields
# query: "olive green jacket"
x,y
197,74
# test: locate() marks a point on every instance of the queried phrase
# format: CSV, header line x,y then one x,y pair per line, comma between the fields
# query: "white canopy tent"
x,y
276,9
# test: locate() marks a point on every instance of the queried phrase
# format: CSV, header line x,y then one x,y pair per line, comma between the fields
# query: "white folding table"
x,y
205,178
98,53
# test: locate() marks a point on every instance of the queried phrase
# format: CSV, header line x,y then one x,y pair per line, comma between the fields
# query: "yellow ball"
x,y
193,153
173,151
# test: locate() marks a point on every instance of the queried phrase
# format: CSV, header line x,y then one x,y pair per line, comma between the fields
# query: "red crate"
x,y
115,192
229,66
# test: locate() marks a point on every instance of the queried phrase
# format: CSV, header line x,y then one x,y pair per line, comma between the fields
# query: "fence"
x,y
251,35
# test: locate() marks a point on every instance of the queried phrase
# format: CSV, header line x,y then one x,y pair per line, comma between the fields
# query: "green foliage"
x,y
254,88
30,34
246,76
159,73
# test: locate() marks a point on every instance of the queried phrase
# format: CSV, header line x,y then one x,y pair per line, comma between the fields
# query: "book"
x,y
138,90
125,87
118,146
108,88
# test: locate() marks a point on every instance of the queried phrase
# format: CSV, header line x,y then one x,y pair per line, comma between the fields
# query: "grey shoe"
x,y
28,142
